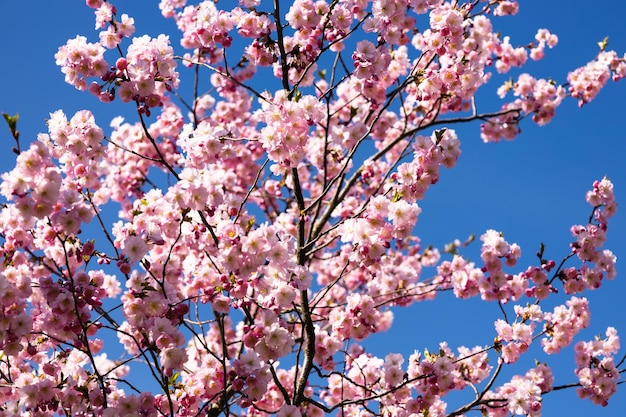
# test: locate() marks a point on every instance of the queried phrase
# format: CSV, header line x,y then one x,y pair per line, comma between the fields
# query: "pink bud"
x,y
48,369
94,4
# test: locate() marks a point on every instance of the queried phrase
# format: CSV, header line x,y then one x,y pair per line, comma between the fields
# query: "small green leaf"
x,y
450,248
174,377
11,120
297,95
250,224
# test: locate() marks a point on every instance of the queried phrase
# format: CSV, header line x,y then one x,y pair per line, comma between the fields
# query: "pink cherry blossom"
x,y
243,234
79,60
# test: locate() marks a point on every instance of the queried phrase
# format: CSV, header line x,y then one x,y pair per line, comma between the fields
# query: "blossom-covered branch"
x,y
251,237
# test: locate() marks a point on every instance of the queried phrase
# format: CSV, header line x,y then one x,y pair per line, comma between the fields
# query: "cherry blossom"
x,y
232,244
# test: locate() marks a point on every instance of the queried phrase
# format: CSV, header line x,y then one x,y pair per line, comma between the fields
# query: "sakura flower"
x,y
172,359
134,248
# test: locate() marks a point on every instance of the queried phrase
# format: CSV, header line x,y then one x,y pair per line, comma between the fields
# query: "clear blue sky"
x,y
532,189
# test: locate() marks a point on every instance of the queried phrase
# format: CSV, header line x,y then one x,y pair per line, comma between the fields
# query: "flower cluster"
x,y
522,395
39,189
252,375
498,284
592,236
115,30
34,186
504,126
433,375
506,8
544,38
359,319
201,145
517,336
204,27
303,48
129,157
508,56
144,75
152,319
372,234
446,30
598,263
463,276
537,97
287,128
564,323
369,61
77,144
147,72
390,21
587,81
80,60
430,152
63,307
251,24
595,368
15,323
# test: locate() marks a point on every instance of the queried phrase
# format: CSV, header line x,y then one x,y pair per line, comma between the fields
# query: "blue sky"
x,y
531,189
